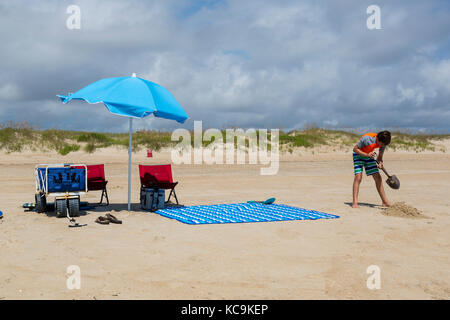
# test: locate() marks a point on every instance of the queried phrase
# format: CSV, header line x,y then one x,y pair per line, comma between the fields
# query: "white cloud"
x,y
9,91
415,95
437,75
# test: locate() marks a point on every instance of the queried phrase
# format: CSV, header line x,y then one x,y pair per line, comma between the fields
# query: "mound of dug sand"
x,y
401,209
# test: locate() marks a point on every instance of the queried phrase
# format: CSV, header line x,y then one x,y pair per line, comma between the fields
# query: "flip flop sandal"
x,y
102,220
268,201
113,219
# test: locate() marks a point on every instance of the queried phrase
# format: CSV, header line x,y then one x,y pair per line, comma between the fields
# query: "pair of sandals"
x,y
108,218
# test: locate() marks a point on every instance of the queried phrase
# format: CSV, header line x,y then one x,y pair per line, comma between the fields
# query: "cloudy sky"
x,y
254,63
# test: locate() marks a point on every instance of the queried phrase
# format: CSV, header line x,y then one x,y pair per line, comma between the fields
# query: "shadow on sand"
x,y
364,204
88,209
117,207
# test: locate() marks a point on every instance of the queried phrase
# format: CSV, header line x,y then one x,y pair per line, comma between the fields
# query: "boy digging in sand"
x,y
363,156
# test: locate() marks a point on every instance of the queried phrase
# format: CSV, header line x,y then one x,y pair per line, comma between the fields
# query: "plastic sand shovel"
x,y
268,201
391,181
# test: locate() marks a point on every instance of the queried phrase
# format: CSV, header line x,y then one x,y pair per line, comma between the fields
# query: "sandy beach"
x,y
152,257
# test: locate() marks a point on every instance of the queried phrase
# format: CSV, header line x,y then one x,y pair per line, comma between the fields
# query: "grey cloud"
x,y
232,63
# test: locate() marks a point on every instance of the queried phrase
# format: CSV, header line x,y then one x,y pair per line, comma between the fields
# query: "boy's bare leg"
x,y
380,189
356,183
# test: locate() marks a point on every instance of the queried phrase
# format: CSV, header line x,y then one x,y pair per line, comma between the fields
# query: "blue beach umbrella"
x,y
132,97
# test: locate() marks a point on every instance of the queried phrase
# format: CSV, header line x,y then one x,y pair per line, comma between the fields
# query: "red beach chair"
x,y
158,176
96,180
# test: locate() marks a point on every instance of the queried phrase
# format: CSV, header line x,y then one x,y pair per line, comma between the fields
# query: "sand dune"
x,y
152,257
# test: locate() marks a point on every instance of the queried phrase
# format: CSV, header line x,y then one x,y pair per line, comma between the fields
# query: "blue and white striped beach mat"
x,y
241,212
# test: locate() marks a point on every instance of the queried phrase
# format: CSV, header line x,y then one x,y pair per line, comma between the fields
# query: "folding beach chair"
x,y
96,180
158,176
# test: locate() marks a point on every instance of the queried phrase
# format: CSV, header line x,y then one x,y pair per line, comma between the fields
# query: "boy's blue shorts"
x,y
360,162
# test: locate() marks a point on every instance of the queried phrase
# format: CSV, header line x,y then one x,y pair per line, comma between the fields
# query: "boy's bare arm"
x,y
380,159
380,156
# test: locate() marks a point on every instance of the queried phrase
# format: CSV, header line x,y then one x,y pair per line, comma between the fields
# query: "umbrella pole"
x,y
129,164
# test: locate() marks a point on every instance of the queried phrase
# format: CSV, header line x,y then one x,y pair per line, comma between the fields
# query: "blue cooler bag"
x,y
152,199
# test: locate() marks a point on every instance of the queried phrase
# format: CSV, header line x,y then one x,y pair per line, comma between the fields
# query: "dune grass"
x,y
17,137
400,140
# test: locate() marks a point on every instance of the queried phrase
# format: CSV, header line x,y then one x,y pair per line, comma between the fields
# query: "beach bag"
x,y
152,199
